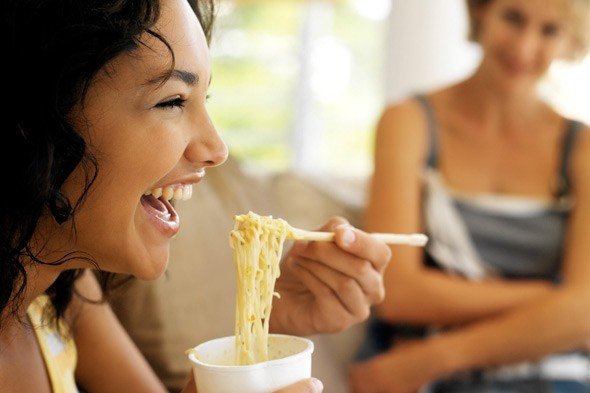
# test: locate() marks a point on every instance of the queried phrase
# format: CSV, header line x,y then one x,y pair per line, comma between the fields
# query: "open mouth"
x,y
158,204
159,207
514,68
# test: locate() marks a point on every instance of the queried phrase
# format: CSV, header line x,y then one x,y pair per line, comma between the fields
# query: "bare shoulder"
x,y
9,384
22,368
402,128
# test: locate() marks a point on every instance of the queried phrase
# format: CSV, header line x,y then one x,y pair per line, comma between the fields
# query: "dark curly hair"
x,y
53,49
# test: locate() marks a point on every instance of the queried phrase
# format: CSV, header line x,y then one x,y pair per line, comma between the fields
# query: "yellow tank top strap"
x,y
57,346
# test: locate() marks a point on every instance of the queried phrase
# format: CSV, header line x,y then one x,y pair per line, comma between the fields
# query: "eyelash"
x,y
173,103
177,103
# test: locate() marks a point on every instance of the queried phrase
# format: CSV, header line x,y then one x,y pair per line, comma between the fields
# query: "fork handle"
x,y
413,239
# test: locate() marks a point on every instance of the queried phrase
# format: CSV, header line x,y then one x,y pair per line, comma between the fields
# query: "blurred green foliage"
x,y
256,72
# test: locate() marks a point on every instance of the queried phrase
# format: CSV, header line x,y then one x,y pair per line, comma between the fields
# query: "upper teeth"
x,y
177,193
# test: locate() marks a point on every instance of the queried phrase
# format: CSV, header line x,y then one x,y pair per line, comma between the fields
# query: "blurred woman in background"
x,y
500,300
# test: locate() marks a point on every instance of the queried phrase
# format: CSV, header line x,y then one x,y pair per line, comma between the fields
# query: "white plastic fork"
x,y
411,239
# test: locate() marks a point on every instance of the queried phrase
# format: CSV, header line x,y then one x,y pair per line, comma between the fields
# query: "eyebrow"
x,y
188,77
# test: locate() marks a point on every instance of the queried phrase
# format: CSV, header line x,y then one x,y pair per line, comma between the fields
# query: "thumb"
x,y
311,385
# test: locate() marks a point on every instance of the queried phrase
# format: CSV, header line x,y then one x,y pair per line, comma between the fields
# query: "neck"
x,y
496,106
50,245
39,278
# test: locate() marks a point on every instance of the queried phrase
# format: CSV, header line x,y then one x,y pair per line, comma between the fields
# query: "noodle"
x,y
257,242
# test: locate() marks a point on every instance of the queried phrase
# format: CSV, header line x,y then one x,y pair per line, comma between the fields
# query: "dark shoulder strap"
x,y
432,157
567,146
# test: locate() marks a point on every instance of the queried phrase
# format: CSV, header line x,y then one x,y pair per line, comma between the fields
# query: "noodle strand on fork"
x,y
257,242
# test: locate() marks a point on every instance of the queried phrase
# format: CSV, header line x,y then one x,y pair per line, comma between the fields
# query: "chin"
x,y
147,265
509,84
147,252
153,266
517,80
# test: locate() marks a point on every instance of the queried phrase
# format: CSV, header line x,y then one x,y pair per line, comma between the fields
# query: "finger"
x,y
333,222
326,301
346,289
359,243
362,271
311,385
300,245
322,293
363,246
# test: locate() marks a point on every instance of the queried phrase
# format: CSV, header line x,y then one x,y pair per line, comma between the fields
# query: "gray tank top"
x,y
528,245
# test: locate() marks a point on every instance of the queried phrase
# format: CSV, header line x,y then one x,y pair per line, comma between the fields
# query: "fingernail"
x,y
348,237
317,385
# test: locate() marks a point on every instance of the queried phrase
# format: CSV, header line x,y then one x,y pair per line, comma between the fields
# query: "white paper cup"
x,y
214,370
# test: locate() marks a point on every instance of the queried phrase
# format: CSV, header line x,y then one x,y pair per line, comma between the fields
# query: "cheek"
x,y
141,154
158,154
130,162
498,34
554,49
134,166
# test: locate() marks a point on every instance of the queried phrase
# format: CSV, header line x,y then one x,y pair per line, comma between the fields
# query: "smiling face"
x,y
150,135
521,38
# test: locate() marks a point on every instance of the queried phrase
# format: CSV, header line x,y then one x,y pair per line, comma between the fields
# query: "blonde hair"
x,y
578,12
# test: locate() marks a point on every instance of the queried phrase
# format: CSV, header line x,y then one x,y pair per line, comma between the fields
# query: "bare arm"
x,y
557,321
108,361
415,294
560,320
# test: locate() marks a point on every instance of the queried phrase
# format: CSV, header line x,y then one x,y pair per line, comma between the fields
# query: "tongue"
x,y
155,203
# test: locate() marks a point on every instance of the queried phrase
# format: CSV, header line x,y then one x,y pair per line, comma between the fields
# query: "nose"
x,y
526,46
205,148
